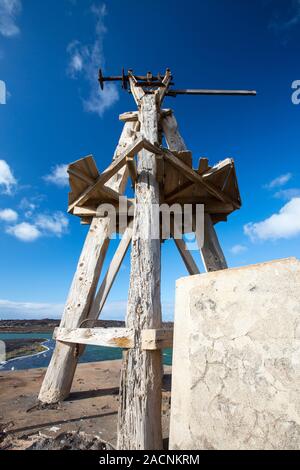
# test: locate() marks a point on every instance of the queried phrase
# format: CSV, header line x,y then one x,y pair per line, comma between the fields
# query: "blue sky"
x,y
49,55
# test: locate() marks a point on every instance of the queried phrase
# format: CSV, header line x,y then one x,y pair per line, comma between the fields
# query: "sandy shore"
x,y
91,408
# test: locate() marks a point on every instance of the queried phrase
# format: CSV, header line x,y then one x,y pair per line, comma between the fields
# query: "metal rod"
x,y
210,92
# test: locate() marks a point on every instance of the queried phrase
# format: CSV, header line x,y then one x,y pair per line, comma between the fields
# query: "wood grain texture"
x,y
211,252
111,274
60,372
139,423
59,376
109,337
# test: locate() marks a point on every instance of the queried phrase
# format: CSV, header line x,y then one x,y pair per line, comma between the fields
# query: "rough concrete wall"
x,y
236,359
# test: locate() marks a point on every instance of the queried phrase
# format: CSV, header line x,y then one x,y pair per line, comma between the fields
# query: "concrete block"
x,y
236,359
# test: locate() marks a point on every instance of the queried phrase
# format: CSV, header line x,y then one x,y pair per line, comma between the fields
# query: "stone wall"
x,y
236,359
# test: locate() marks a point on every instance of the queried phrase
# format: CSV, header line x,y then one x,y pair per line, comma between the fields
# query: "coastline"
x,y
27,355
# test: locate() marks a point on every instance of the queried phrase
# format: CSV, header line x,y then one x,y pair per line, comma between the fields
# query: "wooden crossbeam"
x,y
151,339
88,211
59,376
110,337
193,176
133,116
116,165
211,252
132,169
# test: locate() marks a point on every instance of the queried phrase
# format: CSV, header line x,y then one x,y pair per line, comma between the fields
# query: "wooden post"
x,y
110,276
211,252
60,372
212,255
139,425
59,376
186,256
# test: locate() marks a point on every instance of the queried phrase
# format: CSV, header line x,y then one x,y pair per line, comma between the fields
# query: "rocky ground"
x,y
86,420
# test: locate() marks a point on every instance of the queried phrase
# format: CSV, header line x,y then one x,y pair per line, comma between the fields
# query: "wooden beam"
x,y
193,176
211,252
186,256
114,168
202,165
137,92
109,337
60,372
87,211
172,134
164,90
159,168
132,169
151,339
139,423
133,116
111,274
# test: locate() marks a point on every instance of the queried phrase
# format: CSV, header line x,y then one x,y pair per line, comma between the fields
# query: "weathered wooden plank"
x,y
163,90
88,211
128,136
107,174
202,165
133,116
132,169
153,339
212,255
172,134
211,252
139,423
109,337
186,256
175,179
195,177
111,274
59,376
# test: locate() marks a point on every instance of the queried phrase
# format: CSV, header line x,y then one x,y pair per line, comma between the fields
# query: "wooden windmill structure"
x,y
158,175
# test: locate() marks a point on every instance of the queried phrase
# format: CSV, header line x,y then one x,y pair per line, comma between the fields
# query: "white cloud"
x,y
238,249
58,176
287,193
24,231
7,179
28,205
9,10
29,310
284,224
85,60
55,224
8,215
44,225
279,181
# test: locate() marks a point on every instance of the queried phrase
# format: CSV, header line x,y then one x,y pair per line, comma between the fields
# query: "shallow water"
x,y
91,353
